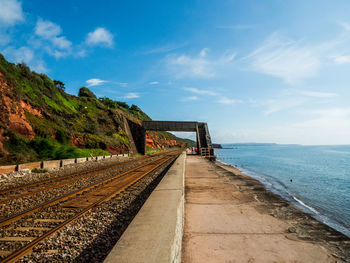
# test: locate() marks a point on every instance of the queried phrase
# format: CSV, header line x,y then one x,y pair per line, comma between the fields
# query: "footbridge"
x,y
137,132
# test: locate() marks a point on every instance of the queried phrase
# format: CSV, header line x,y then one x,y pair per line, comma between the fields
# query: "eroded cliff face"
x,y
40,121
13,112
155,141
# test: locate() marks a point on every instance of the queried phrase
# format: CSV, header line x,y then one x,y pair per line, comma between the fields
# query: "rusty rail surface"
x,y
29,189
67,176
69,207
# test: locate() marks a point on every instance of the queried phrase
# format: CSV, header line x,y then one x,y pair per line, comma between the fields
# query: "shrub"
x,y
62,137
44,147
66,152
85,92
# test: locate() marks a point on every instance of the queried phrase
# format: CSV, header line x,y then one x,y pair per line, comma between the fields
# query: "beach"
x,y
231,217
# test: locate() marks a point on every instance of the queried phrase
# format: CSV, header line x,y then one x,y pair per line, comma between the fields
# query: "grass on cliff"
x,y
96,122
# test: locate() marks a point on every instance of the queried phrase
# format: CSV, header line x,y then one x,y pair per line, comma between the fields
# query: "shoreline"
x,y
294,200
302,224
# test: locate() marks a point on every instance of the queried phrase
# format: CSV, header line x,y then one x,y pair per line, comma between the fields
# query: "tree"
x,y
85,92
59,84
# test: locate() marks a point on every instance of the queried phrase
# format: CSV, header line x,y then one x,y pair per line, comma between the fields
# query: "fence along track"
x,y
36,187
66,210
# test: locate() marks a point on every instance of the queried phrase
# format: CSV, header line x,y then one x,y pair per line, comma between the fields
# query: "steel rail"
x,y
8,220
82,173
75,177
28,247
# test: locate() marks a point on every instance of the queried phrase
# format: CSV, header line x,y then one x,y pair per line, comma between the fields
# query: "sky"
x,y
255,71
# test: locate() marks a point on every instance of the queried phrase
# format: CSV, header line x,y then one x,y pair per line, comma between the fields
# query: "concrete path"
x,y
223,224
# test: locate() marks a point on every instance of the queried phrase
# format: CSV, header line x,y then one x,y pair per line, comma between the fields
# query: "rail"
x,y
69,207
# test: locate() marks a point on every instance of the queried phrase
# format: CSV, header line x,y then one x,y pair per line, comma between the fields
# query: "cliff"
x,y
39,120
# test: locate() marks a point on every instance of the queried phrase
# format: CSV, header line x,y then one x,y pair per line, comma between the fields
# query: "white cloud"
x,y
203,52
294,61
122,84
39,66
221,99
317,94
201,91
61,42
80,53
25,55
199,66
282,104
59,46
95,82
225,100
344,25
164,49
286,59
227,57
131,95
341,59
190,98
100,37
47,29
154,83
186,66
290,98
22,54
10,12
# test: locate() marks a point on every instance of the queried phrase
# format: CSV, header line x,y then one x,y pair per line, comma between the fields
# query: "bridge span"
x,y
137,133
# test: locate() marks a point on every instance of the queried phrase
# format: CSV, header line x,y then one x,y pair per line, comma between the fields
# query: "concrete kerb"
x,y
155,234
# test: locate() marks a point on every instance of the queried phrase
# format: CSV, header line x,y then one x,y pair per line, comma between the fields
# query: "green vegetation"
x,y
65,126
85,92
150,151
39,171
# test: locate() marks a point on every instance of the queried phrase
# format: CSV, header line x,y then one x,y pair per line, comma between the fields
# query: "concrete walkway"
x,y
223,223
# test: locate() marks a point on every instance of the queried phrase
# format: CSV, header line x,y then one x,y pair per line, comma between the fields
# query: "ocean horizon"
x,y
315,178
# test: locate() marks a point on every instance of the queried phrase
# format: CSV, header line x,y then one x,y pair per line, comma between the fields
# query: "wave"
x,y
305,205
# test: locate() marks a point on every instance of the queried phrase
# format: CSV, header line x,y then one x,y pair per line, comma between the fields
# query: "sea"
x,y
314,178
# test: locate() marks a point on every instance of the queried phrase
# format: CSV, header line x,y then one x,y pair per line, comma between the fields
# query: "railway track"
x,y
21,197
43,185
23,231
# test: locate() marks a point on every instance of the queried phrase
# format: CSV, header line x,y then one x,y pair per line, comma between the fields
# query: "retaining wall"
x,y
53,163
30,166
67,162
155,234
7,169
81,160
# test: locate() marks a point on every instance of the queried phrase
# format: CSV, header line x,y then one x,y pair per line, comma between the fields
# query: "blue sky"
x,y
256,71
